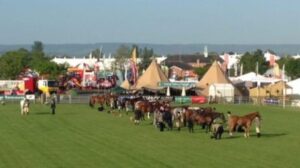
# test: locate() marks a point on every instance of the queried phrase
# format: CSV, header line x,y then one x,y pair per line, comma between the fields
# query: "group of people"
x,y
163,117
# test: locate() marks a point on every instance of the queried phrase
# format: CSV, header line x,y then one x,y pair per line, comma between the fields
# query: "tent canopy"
x,y
253,77
150,79
214,75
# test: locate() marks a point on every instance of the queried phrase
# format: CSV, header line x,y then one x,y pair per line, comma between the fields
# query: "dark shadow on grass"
x,y
231,137
263,135
42,113
271,135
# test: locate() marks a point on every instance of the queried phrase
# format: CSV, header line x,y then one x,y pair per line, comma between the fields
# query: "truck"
x,y
28,85
48,87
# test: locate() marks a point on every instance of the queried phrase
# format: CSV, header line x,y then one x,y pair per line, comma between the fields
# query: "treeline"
x,y
250,59
12,63
255,61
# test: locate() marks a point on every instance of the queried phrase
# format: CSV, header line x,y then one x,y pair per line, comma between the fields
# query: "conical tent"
x,y
127,86
151,77
212,76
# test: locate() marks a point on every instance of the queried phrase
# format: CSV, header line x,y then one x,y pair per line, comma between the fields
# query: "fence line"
x,y
84,99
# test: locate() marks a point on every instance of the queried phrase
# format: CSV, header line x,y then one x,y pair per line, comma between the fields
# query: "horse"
x,y
100,99
245,122
178,116
112,99
144,106
24,104
203,116
131,100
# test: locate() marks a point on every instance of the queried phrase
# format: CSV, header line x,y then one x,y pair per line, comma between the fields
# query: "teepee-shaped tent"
x,y
126,85
151,77
212,76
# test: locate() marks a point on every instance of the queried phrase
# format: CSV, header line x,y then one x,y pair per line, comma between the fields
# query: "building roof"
x,y
191,58
180,64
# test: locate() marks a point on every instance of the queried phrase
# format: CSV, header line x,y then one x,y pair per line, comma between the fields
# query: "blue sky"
x,y
150,21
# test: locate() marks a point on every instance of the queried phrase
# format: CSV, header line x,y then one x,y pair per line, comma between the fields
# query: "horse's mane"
x,y
252,114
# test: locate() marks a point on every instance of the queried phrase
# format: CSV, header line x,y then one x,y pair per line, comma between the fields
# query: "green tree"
x,y
121,55
12,63
146,56
292,68
283,60
38,57
249,61
200,71
97,53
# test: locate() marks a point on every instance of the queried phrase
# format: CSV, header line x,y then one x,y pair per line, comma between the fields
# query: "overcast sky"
x,y
150,21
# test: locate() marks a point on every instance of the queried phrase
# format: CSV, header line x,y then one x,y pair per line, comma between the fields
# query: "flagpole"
x,y
283,69
257,84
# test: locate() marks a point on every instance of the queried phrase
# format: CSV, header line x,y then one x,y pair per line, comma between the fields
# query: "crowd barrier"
x,y
84,99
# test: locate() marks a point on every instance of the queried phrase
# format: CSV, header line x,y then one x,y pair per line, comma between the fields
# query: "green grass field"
x,y
78,136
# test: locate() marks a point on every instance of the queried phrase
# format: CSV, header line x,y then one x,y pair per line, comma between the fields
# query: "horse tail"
x,y
91,103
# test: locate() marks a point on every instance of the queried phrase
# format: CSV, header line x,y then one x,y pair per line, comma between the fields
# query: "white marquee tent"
x,y
295,84
252,77
224,90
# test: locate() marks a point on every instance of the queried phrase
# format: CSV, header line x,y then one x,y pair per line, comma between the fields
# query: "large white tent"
x,y
295,84
223,90
252,77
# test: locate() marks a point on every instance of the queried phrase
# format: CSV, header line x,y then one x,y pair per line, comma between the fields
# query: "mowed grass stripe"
x,y
78,136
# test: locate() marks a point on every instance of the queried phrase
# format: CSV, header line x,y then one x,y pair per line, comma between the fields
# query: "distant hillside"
x,y
163,49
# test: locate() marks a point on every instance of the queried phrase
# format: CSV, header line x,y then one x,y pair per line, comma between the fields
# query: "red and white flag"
x,y
133,71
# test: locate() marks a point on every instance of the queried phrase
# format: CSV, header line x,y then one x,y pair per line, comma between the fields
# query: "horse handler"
x,y
257,126
53,105
217,128
160,121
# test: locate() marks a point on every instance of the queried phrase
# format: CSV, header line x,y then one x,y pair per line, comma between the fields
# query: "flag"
x,y
132,73
134,56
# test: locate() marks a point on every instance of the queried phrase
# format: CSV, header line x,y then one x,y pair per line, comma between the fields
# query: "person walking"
x,y
53,105
217,128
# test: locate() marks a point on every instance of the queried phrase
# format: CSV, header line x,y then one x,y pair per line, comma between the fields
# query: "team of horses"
x,y
175,117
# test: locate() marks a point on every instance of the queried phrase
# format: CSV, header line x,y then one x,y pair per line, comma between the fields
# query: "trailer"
x,y
28,85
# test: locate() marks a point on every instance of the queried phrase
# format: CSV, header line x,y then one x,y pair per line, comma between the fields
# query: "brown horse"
x,y
245,122
203,116
147,107
97,99
130,101
112,99
206,119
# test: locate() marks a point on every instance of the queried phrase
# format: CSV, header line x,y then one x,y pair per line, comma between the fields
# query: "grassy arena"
x,y
78,136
